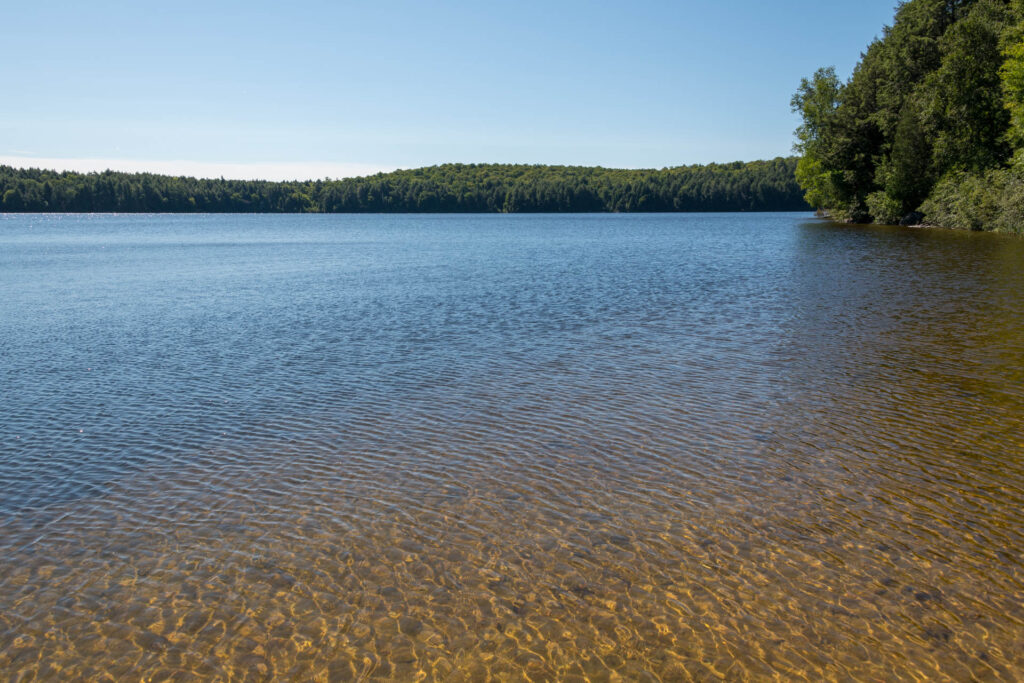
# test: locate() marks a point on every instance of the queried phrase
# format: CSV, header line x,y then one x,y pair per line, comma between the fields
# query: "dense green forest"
x,y
930,126
755,186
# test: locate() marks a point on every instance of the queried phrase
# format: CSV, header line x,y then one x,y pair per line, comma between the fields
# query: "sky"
x,y
280,90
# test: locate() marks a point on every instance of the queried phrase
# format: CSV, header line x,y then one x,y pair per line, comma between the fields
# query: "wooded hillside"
x,y
755,186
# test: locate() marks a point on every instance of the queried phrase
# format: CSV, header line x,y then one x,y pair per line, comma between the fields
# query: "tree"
x,y
816,101
965,93
907,174
1012,78
937,103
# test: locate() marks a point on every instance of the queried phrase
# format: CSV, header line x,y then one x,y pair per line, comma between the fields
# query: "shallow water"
x,y
663,447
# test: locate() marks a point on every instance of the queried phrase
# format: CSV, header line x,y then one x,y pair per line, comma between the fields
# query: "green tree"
x,y
929,117
907,174
1012,77
817,100
965,92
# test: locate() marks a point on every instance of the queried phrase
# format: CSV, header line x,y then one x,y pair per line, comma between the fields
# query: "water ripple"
x,y
543,448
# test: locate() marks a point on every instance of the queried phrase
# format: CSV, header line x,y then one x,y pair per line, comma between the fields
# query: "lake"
x,y
660,447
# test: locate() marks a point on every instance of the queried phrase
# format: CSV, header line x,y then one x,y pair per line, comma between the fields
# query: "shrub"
x,y
990,201
884,209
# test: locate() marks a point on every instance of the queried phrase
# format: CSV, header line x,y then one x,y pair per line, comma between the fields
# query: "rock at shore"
x,y
912,218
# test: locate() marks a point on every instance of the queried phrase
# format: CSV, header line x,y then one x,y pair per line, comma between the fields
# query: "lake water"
x,y
655,447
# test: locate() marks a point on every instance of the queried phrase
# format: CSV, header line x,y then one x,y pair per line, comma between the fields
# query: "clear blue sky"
x,y
319,86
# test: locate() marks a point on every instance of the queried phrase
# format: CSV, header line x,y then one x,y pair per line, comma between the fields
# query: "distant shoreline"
x,y
451,188
417,213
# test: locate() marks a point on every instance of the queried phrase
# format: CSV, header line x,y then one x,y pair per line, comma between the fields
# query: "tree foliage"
x,y
755,186
931,117
817,100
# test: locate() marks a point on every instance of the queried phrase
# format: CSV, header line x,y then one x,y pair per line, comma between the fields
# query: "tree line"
x,y
929,127
511,188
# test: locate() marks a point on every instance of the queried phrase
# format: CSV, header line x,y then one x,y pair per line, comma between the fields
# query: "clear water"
x,y
665,447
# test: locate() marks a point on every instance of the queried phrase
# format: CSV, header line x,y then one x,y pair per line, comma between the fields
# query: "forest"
x,y
755,186
929,129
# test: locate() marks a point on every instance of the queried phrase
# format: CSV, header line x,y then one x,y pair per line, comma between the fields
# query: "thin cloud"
x,y
292,170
